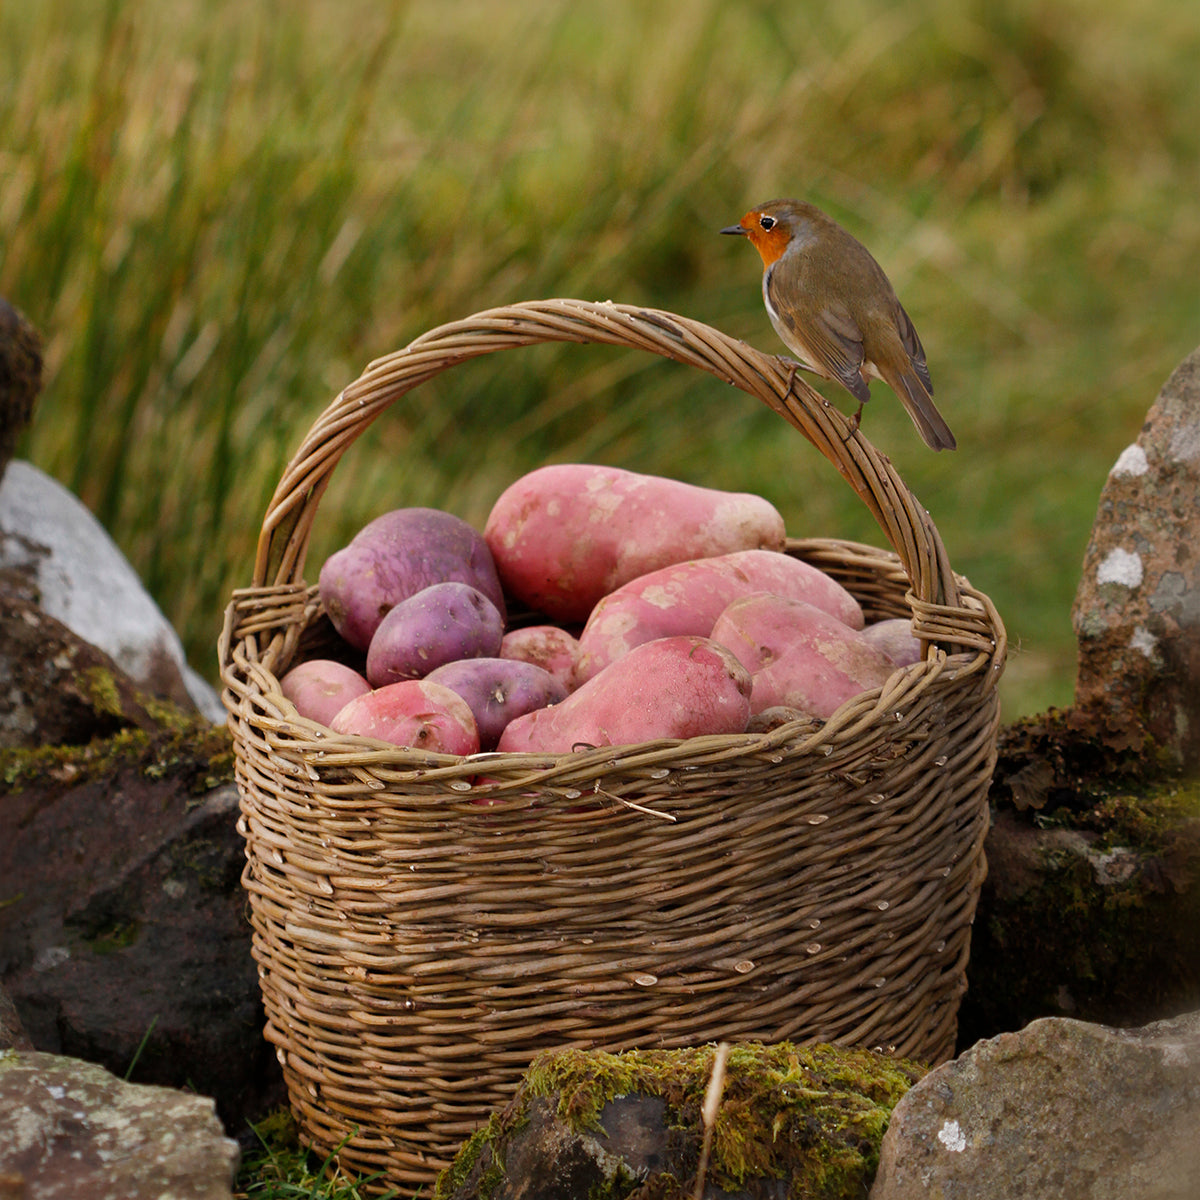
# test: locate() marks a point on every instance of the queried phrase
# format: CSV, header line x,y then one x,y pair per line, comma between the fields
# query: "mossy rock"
x,y
793,1122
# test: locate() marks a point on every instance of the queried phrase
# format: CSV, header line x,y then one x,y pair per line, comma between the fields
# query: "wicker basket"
x,y
814,883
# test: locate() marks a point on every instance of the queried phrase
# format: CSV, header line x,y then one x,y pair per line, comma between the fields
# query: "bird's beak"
x,y
736,230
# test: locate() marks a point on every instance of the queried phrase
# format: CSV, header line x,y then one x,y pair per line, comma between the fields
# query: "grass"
x,y
281,1169
219,215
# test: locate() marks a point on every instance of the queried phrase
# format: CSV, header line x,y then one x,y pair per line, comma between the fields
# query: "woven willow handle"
x,y
905,523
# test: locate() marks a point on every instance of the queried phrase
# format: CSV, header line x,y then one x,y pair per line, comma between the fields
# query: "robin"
x,y
834,308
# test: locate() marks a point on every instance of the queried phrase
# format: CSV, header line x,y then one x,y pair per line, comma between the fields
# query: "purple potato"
x,y
895,638
497,690
438,625
396,556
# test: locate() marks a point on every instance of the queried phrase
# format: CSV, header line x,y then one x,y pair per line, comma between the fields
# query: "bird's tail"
x,y
918,403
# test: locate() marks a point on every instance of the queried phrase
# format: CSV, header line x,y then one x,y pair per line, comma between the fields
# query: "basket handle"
x,y
283,542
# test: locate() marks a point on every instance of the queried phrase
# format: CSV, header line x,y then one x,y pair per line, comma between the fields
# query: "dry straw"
x,y
424,924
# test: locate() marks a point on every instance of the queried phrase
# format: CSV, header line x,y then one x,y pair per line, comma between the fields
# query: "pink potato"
x,y
320,687
497,690
440,624
414,713
688,598
564,536
798,656
396,556
546,646
676,687
895,638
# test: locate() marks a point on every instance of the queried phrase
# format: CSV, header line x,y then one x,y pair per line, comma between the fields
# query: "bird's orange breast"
x,y
770,243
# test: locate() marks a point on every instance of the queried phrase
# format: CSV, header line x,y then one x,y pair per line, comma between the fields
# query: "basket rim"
x,y
905,523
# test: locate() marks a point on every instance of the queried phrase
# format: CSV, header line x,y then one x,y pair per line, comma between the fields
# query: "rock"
x,y
793,1121
59,690
1137,610
123,932
1091,907
1061,1109
82,579
20,377
12,1032
72,1130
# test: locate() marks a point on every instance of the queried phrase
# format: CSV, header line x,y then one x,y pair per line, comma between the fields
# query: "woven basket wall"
x,y
416,947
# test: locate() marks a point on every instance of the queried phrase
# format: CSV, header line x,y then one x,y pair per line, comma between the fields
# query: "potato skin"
x,y
415,714
440,624
320,688
498,690
396,556
798,656
687,599
546,646
895,638
564,536
676,687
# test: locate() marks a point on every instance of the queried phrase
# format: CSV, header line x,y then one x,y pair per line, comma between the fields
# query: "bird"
x,y
833,307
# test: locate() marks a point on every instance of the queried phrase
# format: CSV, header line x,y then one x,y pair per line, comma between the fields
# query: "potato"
x,y
564,536
676,687
497,690
440,624
396,556
414,713
546,646
895,638
798,656
320,687
688,598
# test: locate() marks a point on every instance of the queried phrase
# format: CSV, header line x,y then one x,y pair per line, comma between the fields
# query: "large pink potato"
x,y
677,687
394,557
688,598
798,656
895,638
320,688
440,624
546,646
416,714
498,690
563,536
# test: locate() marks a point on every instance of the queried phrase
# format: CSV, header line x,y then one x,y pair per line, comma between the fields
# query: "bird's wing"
x,y
832,340
912,346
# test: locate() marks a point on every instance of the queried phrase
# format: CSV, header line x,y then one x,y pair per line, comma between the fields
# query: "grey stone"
x,y
1062,1109
69,1130
82,579
1137,609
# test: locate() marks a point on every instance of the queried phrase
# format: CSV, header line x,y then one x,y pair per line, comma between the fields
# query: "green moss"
x,y
185,744
812,1116
489,1138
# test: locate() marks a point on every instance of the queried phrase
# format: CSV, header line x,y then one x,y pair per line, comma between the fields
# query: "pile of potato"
x,y
666,611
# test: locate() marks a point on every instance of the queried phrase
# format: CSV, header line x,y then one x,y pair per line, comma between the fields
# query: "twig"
x,y
712,1103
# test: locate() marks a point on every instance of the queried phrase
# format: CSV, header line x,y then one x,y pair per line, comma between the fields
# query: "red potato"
x,y
320,688
798,656
688,598
564,536
396,556
438,625
546,646
895,638
414,713
676,687
498,690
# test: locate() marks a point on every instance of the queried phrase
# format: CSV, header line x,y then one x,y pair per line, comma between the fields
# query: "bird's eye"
x,y
766,223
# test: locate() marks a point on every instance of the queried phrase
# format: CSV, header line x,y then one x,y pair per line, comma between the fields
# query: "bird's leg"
x,y
793,366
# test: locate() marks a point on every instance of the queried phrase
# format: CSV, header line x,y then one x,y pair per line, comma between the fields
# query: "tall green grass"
x,y
220,212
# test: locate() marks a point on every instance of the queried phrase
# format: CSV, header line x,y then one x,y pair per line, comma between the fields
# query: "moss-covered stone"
x,y
807,1119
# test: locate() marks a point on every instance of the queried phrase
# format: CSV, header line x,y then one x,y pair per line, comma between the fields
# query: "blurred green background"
x,y
218,212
